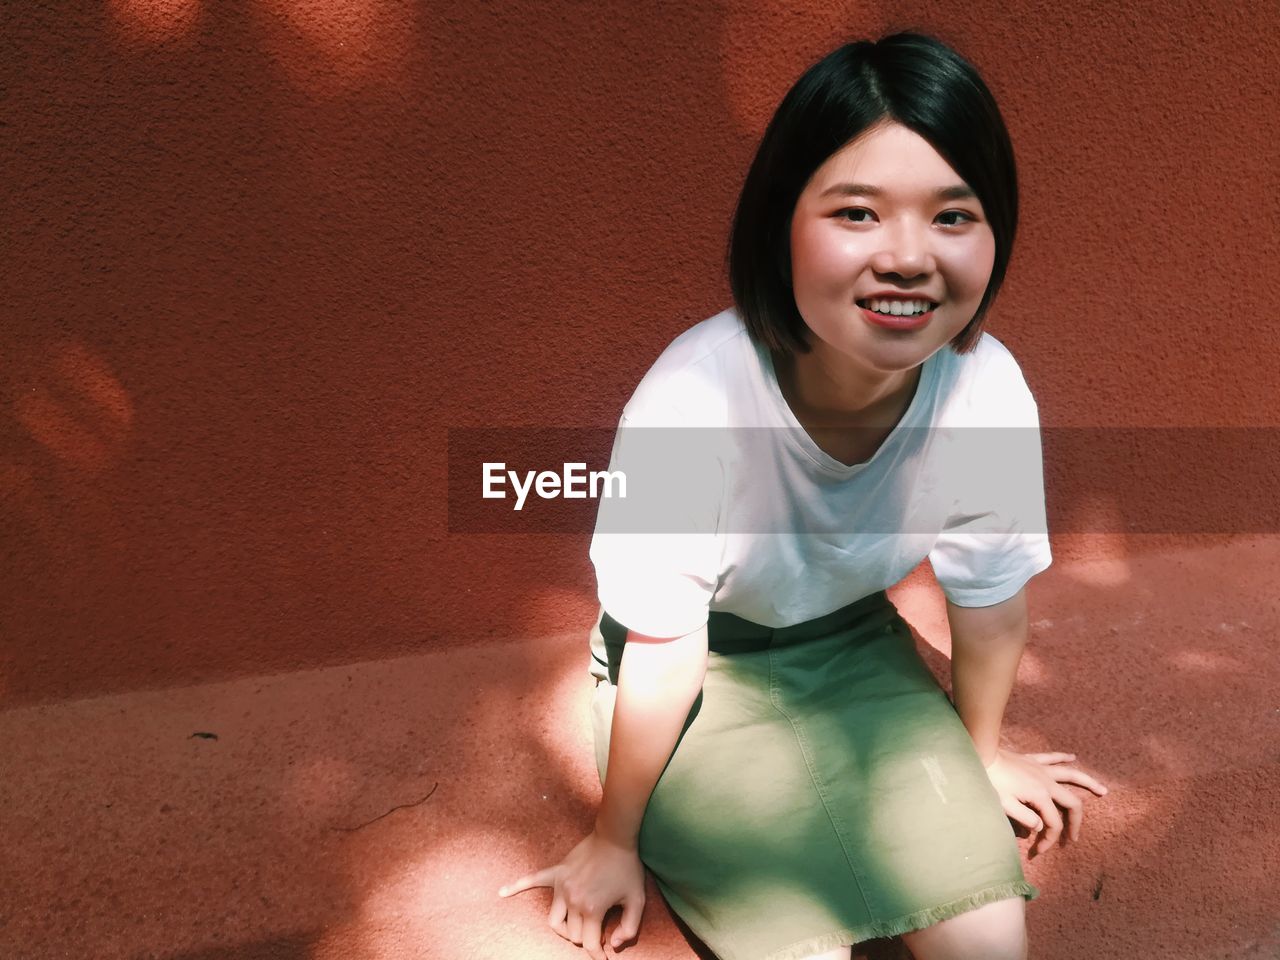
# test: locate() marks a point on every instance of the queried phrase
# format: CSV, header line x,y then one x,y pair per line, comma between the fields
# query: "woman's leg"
x,y
997,931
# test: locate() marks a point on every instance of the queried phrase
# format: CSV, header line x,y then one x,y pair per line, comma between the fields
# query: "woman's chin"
x,y
899,357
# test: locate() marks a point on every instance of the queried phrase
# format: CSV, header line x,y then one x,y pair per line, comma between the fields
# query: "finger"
x,y
1080,778
1024,815
591,935
556,915
629,925
1052,757
1074,808
1052,825
575,926
543,878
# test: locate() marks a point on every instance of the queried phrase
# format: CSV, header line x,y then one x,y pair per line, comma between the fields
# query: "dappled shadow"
x,y
356,803
1163,684
855,805
1169,701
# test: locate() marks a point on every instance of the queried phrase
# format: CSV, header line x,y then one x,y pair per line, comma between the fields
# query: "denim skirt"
x,y
823,792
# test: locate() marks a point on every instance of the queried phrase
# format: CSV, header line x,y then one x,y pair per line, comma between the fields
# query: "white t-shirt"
x,y
732,506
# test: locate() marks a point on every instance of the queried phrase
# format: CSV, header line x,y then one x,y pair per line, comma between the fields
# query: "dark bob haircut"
x,y
909,78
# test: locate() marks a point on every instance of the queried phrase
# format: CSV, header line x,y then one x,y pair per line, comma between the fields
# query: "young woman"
x,y
771,745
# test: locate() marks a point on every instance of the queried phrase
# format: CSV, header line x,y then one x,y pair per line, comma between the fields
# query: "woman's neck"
x,y
821,394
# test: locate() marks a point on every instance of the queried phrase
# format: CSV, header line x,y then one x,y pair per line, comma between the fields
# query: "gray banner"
x,y
1168,480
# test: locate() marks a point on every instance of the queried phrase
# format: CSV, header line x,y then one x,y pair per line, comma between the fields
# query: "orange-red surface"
x,y
371,811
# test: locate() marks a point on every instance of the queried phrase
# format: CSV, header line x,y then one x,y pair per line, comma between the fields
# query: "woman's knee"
x,y
996,931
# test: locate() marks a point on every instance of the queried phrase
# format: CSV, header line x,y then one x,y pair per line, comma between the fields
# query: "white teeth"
x,y
898,308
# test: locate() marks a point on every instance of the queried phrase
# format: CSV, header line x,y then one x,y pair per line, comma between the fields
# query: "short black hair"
x,y
908,78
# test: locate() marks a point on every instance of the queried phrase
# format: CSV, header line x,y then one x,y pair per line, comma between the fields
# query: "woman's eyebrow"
x,y
958,192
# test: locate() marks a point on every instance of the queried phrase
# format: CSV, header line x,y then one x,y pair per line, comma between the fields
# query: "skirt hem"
x,y
905,924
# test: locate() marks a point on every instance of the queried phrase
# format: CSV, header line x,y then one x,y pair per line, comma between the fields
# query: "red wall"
x,y
263,255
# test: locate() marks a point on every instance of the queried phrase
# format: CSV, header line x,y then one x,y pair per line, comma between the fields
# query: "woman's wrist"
x,y
615,834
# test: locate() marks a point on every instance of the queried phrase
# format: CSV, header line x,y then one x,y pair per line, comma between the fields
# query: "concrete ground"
x,y
371,811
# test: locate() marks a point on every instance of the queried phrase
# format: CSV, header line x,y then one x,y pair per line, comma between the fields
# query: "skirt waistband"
x,y
728,633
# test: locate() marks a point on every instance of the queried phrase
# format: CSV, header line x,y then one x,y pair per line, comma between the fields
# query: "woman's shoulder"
x,y
989,356
689,383
987,382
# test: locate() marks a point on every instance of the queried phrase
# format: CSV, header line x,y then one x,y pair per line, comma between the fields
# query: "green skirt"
x,y
824,790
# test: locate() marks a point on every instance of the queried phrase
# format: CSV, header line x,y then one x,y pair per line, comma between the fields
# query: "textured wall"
x,y
264,254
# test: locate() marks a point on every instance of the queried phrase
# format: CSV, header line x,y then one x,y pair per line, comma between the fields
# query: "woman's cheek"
x,y
968,267
824,259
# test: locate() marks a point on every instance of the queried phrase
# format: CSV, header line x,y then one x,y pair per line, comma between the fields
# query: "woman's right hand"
x,y
595,876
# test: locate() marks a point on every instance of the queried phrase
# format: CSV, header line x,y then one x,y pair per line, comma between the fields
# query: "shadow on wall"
x,y
73,421
278,249
326,50
276,295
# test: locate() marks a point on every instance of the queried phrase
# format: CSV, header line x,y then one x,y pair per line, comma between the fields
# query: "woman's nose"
x,y
904,250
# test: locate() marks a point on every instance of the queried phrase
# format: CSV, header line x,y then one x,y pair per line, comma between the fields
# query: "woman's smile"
x,y
898,314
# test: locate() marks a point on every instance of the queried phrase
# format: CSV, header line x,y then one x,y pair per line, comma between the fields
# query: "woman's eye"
x,y
955,213
853,212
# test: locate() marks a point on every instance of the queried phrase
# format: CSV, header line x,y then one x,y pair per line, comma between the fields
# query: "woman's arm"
x,y
658,681
986,645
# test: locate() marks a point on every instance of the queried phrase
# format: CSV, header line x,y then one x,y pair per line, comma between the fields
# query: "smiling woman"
x,y
771,745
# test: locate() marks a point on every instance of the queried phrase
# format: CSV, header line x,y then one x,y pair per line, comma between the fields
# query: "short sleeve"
x,y
995,537
657,550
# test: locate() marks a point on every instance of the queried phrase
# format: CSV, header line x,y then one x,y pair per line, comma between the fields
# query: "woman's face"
x,y
887,215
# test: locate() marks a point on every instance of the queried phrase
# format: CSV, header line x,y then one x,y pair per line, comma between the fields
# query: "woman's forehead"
x,y
889,161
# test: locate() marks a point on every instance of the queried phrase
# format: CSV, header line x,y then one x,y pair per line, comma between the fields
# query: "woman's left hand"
x,y
1033,785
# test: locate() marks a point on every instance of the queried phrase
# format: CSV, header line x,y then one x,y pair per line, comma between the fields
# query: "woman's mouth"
x,y
897,314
